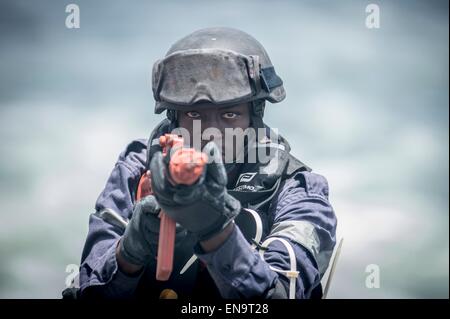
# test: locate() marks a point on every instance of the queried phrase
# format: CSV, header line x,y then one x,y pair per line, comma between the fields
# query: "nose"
x,y
210,121
211,130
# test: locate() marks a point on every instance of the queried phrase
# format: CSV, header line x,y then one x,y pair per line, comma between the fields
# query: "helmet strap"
x,y
172,115
258,107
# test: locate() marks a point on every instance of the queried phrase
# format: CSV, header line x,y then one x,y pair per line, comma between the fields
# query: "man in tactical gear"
x,y
246,229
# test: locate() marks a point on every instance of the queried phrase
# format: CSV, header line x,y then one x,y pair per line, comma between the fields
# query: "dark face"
x,y
235,116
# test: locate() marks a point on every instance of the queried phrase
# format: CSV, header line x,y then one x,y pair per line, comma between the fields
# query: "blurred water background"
x,y
367,108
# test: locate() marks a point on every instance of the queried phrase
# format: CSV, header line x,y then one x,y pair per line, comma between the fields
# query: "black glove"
x,y
204,208
139,243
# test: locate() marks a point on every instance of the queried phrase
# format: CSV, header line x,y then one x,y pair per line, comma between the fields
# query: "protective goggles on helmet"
x,y
210,75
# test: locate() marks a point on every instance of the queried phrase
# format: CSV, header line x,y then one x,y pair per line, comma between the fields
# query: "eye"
x,y
230,115
193,114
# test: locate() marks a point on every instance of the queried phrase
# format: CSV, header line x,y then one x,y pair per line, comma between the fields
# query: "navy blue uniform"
x,y
297,212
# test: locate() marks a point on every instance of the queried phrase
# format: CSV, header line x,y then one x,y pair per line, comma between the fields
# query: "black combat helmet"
x,y
218,67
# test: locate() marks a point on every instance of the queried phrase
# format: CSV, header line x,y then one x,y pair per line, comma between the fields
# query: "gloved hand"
x,y
139,243
204,208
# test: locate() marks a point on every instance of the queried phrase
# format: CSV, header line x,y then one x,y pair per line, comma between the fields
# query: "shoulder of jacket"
x,y
311,183
134,156
294,165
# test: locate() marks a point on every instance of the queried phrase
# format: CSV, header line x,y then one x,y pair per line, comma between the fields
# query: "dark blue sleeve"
x,y
99,273
304,218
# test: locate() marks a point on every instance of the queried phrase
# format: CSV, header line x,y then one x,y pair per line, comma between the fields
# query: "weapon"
x,y
185,167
